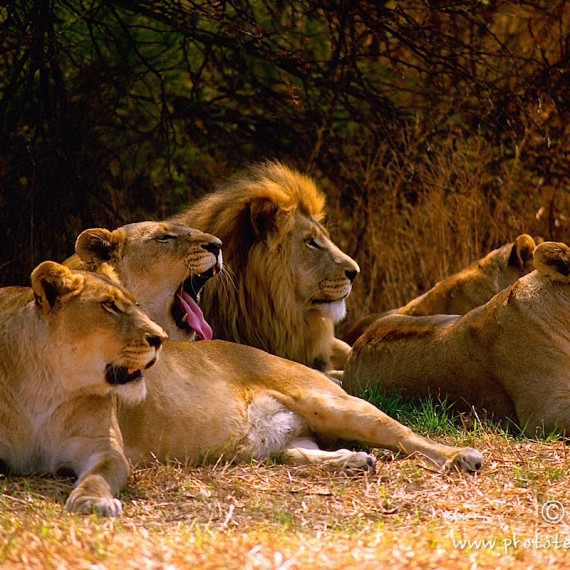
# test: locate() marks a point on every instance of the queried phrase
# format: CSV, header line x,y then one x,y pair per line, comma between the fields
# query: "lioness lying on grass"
x,y
69,346
509,357
469,288
213,398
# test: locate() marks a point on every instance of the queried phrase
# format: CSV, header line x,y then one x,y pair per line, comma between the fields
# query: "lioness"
x,y
163,264
509,357
291,280
69,346
467,289
212,398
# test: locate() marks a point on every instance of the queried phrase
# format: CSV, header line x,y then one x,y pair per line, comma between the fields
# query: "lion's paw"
x,y
466,460
88,505
352,462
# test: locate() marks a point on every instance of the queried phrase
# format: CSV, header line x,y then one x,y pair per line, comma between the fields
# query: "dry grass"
x,y
411,225
272,516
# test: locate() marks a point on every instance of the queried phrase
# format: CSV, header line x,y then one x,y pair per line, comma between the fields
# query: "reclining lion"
x,y
290,279
216,398
472,286
509,357
207,399
68,347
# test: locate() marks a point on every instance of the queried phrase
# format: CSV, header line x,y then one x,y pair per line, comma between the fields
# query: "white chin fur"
x,y
133,392
334,311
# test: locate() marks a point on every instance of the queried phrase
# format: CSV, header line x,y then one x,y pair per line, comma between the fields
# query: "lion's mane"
x,y
254,215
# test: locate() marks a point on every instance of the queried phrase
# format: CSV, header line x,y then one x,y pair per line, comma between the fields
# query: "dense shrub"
x,y
438,129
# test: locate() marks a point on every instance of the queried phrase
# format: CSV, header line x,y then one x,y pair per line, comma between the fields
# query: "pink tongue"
x,y
194,316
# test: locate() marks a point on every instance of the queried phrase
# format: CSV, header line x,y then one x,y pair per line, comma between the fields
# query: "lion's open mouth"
x,y
185,310
116,375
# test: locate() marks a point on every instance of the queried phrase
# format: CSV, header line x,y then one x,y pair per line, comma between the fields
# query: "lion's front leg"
x,y
97,486
339,353
95,452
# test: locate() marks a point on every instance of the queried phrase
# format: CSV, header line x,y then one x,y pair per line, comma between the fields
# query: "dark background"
x,y
439,130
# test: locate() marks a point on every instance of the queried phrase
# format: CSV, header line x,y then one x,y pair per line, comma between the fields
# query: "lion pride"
x,y
290,281
217,398
509,357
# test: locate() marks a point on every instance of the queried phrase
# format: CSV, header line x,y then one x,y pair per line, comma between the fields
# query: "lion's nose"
x,y
213,247
154,340
351,274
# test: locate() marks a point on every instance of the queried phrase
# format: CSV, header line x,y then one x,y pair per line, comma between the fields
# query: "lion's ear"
x,y
522,253
97,245
263,216
52,283
553,259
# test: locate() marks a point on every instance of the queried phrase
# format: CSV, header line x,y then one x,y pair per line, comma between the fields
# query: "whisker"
x,y
227,281
187,271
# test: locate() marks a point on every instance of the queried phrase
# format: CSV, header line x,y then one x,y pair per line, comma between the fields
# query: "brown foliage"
x,y
440,130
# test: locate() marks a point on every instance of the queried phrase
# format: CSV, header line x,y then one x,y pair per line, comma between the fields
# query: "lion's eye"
x,y
111,307
164,238
312,242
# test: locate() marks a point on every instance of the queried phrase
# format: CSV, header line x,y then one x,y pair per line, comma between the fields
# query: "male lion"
x,y
291,280
212,398
163,264
68,347
472,286
509,357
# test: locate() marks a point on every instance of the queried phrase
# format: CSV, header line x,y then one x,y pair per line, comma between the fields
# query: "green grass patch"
x,y
427,415
432,416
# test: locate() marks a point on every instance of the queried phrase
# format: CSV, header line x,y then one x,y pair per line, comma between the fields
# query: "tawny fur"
x,y
469,288
57,408
153,260
215,398
290,280
509,357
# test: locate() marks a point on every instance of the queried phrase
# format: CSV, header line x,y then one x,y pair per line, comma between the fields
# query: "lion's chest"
x,y
26,442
